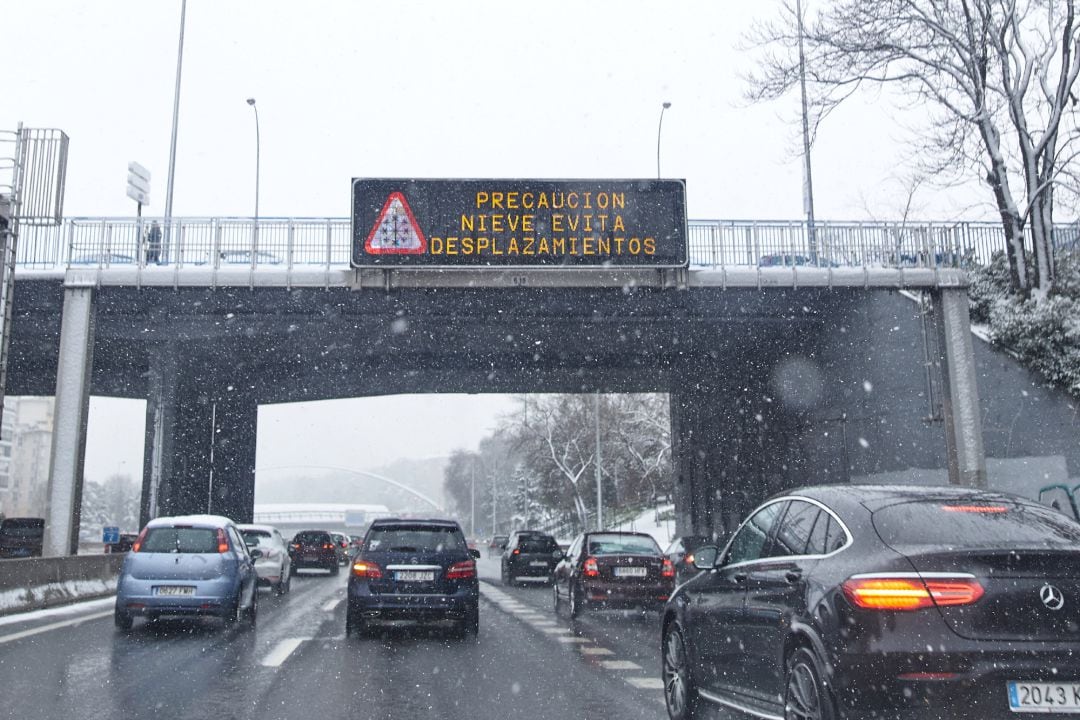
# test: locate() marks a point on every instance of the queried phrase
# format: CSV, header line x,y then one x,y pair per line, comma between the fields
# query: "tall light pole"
x,y
599,485
175,122
808,185
660,127
251,102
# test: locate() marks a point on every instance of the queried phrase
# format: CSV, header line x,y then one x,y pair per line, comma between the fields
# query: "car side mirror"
x,y
255,553
558,555
705,557
474,553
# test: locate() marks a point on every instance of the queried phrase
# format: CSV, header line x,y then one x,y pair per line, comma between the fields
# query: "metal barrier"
x,y
326,242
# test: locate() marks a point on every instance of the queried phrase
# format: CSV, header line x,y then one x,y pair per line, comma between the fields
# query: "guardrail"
x,y
34,583
326,242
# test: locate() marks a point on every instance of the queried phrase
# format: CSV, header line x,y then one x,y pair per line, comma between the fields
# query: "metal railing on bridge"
x,y
326,242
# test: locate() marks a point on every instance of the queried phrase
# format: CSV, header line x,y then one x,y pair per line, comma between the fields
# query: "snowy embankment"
x,y
36,583
658,522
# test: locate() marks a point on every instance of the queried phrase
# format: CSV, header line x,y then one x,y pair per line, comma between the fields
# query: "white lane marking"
x,y
595,651
280,653
542,623
53,626
71,609
576,640
555,630
619,665
329,607
645,683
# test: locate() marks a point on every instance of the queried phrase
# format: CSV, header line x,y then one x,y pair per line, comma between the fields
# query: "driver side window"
x,y
749,543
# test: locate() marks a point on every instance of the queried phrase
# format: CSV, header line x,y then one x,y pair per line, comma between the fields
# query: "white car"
x,y
274,567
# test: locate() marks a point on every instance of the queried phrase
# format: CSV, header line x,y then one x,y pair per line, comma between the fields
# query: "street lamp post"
x,y
660,127
255,224
172,143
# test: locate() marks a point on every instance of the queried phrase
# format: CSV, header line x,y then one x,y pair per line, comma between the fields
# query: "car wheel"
x,y
123,621
253,611
472,622
680,695
805,695
354,624
292,569
557,601
335,569
576,606
504,576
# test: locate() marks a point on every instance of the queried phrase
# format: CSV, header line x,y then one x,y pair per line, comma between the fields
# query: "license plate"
x,y
310,558
538,563
174,590
629,572
1044,697
414,576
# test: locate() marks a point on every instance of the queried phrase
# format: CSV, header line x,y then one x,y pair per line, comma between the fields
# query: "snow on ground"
x,y
662,530
79,608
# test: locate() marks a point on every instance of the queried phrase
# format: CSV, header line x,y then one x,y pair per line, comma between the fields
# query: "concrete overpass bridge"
x,y
790,357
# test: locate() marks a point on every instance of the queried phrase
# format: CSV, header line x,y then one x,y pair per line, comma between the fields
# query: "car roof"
x,y
261,528
434,522
620,532
211,521
875,497
311,530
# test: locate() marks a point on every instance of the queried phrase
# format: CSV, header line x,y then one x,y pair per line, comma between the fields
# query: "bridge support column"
x,y
963,417
161,409
69,422
233,490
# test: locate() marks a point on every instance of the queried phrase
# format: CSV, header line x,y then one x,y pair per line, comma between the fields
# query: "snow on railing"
x,y
326,242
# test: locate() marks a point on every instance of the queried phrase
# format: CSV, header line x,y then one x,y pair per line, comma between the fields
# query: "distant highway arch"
x,y
375,476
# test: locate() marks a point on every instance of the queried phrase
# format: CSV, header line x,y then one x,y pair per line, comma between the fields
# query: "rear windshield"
x,y
622,544
29,527
311,538
414,538
256,537
975,524
537,544
180,540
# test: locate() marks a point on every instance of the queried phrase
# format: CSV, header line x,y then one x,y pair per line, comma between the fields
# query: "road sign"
x,y
110,535
519,223
138,183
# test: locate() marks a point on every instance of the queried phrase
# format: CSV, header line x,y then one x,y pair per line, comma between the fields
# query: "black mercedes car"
x,y
413,570
882,602
529,554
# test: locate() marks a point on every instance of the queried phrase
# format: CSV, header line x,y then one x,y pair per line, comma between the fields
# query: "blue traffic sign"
x,y
110,535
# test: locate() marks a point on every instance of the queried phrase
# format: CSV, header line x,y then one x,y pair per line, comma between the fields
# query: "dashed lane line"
x,y
595,651
282,651
332,604
619,665
569,640
53,626
645,683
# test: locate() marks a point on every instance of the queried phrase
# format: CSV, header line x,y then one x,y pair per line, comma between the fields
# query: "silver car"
x,y
274,568
197,565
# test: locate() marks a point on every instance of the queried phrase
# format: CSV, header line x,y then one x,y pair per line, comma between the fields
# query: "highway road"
x,y
297,663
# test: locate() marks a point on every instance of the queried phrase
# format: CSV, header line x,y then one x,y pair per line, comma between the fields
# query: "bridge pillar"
x,y
74,365
161,408
960,404
234,457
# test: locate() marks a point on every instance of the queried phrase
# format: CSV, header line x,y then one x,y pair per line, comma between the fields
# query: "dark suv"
x,y
419,570
529,554
314,549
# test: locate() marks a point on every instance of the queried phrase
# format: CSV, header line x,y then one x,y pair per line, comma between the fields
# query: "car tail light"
x,y
906,592
668,569
328,546
222,541
137,545
367,569
517,551
689,559
591,568
461,570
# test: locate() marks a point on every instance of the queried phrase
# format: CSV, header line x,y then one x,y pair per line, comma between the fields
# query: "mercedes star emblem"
x,y
1052,597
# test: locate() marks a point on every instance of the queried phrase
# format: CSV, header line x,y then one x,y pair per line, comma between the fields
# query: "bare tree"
x,y
996,75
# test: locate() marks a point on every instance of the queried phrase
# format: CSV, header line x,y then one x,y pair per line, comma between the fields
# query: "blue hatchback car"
x,y
194,565
415,570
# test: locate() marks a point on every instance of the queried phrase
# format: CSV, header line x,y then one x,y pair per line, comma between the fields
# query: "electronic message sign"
x,y
519,223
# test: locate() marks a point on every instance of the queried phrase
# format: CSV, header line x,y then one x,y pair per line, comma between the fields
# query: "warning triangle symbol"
x,y
396,231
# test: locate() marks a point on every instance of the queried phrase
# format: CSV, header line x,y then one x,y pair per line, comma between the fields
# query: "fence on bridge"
x,y
288,242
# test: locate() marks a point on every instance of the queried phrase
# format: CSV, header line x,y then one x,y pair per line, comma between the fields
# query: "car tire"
x,y
252,615
123,621
354,624
680,695
576,605
335,569
805,694
292,569
504,576
472,622
556,600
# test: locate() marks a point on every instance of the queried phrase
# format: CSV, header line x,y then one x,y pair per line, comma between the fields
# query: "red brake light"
x,y
137,545
517,551
911,593
222,541
668,570
591,568
689,559
328,546
461,570
366,569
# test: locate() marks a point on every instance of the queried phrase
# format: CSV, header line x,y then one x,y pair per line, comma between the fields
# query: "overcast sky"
x,y
432,88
